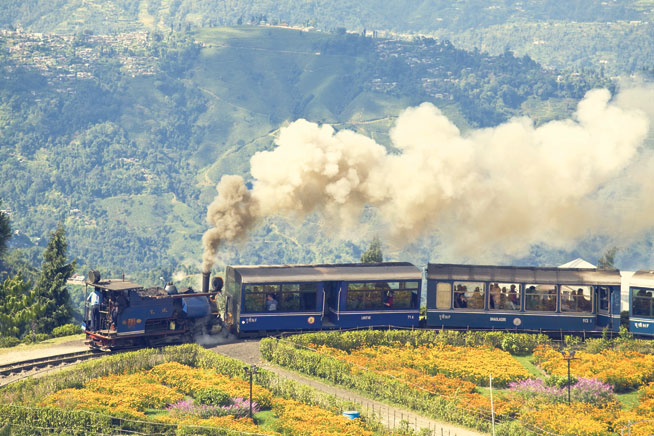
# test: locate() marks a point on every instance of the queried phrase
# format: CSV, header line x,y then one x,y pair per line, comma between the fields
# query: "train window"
x,y
540,297
382,295
576,298
293,297
604,294
642,302
469,295
443,295
504,296
298,297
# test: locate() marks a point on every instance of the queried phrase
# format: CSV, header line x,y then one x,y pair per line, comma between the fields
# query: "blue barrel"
x,y
195,307
351,414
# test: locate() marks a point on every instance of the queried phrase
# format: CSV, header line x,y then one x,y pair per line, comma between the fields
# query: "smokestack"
x,y
205,281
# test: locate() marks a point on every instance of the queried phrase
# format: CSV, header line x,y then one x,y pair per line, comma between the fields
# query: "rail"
x,y
12,372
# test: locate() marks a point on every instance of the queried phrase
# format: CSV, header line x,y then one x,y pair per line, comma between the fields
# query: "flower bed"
x,y
445,362
169,386
624,370
447,375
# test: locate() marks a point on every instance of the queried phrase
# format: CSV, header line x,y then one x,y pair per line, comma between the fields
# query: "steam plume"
x,y
499,189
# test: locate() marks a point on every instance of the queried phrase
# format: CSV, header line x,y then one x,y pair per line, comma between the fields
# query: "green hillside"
x,y
566,34
123,137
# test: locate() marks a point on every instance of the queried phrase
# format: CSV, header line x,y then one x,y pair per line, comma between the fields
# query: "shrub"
x,y
34,338
535,389
66,330
8,341
560,381
212,397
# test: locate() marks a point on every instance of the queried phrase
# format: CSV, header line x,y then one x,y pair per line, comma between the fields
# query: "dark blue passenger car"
x,y
641,303
310,297
522,298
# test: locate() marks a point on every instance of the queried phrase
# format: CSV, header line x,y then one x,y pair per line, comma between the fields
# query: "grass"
x,y
526,362
629,400
265,419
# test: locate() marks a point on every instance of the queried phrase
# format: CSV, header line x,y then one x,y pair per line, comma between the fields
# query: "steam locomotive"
x,y
262,299
122,314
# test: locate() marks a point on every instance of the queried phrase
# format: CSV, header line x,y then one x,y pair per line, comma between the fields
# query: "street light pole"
x,y
569,356
251,370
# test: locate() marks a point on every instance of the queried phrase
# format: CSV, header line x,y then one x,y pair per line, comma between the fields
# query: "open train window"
x,y
542,298
469,295
504,296
576,298
642,302
382,295
292,297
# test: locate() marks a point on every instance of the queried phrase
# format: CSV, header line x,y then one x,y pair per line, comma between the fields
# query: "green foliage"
x,y
560,381
607,261
33,338
212,397
66,330
51,291
374,252
19,308
8,341
515,343
5,232
127,159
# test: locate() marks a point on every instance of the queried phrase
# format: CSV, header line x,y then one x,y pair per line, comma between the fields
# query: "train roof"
x,y
523,274
115,285
333,272
643,278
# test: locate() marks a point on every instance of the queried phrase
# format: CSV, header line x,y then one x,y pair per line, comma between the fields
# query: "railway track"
x,y
12,372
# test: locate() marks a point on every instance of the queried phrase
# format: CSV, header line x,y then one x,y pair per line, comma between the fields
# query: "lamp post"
x,y
569,356
251,370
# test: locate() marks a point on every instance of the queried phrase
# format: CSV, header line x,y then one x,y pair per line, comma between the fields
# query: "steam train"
x,y
122,314
258,300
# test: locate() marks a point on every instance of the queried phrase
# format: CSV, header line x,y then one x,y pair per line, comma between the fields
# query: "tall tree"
x,y
374,252
18,307
607,261
5,232
51,289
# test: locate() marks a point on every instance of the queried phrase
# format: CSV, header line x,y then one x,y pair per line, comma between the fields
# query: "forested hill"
x,y
123,136
566,34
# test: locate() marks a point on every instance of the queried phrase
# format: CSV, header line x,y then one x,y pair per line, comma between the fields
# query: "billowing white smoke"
x,y
498,189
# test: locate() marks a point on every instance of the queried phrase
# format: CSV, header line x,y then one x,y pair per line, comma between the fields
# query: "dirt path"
x,y
46,349
390,416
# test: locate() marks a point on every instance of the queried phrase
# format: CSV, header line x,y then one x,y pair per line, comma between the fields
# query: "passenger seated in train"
x,y
477,300
513,298
271,303
388,299
460,301
583,304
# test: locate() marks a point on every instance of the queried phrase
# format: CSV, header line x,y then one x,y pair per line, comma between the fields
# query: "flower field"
x,y
624,370
168,393
458,374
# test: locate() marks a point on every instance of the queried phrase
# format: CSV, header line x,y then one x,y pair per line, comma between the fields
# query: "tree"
x,y
5,231
18,307
374,252
607,261
51,289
